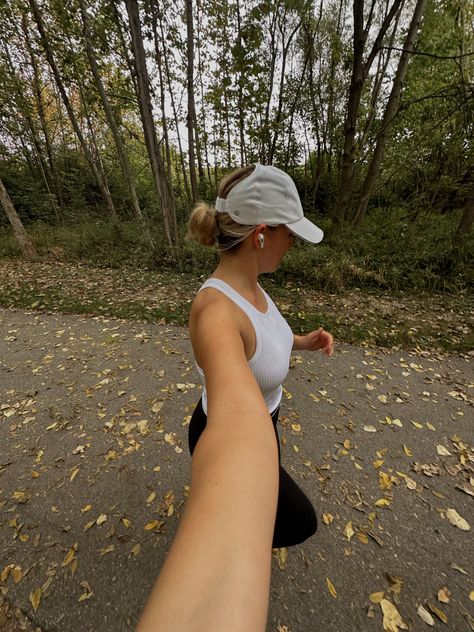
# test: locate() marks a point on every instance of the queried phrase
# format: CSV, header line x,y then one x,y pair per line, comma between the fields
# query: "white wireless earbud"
x,y
261,240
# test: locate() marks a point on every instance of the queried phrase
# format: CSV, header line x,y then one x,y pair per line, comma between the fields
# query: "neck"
x,y
239,269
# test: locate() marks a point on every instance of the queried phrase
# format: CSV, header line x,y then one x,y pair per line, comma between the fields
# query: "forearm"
x,y
217,574
298,343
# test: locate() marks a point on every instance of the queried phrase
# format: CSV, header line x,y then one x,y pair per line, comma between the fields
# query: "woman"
x,y
258,213
242,502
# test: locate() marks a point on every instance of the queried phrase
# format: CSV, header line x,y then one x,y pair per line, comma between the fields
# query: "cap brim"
x,y
306,230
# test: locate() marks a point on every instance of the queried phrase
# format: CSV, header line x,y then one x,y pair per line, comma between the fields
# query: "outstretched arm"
x,y
217,573
318,340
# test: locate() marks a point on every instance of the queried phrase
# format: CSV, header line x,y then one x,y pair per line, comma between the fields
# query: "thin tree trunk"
x,y
24,240
163,187
390,112
465,225
173,106
70,110
360,71
191,116
56,181
121,150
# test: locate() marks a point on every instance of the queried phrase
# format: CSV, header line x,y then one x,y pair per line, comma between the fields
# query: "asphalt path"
x,y
94,473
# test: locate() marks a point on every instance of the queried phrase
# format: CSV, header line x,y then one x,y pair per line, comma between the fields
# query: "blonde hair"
x,y
208,227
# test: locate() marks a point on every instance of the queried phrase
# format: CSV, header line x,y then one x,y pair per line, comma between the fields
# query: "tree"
x,y
163,187
390,111
24,240
360,71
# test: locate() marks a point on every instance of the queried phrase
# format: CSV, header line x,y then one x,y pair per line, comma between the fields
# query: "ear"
x,y
260,230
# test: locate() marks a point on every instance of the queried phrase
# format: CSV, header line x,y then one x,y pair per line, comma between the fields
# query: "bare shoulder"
x,y
214,323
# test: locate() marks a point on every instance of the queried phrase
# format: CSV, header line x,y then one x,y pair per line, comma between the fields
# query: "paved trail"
x,y
94,471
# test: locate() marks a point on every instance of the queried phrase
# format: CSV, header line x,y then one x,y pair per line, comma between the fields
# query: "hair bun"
x,y
202,225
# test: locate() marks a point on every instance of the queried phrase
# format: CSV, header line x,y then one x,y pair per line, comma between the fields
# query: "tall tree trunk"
x,y
467,219
390,111
122,152
56,181
163,187
191,116
278,116
360,71
24,240
70,110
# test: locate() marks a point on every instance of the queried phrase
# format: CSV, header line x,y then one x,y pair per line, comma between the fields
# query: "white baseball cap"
x,y
269,196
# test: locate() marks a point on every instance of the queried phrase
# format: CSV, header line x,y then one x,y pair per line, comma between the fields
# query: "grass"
x,y
382,284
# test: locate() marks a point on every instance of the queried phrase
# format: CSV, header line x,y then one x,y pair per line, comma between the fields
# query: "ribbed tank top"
x,y
274,341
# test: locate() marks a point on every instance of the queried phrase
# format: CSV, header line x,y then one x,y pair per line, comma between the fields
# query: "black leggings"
x,y
295,517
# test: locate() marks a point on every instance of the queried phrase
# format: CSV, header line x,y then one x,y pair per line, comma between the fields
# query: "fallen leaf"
x,y
407,450
370,429
456,520
443,595
136,549
439,613
392,620
101,519
17,574
458,568
385,480
382,502
331,588
154,524
327,518
442,451
471,595
282,555
107,549
376,597
35,598
349,531
151,498
425,615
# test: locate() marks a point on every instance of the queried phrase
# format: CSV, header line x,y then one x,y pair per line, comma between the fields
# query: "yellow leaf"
x,y
417,425
282,556
348,530
439,613
363,537
392,620
34,474
17,574
471,595
376,597
331,588
382,502
357,466
296,427
296,448
347,444
35,598
136,549
101,519
425,615
89,525
456,520
157,468
407,450
6,572
69,557
443,595
154,524
327,518
86,508
151,497
107,549
24,538
126,522
385,481
73,567
74,473
378,463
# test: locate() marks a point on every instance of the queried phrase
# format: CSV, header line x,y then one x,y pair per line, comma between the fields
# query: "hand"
x,y
319,340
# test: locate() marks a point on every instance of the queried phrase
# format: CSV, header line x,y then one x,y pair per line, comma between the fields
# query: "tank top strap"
x,y
235,297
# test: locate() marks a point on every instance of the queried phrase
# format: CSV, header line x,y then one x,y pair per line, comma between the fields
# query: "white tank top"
x,y
274,341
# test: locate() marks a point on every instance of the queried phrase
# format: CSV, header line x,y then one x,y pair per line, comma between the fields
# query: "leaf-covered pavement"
x,y
94,471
